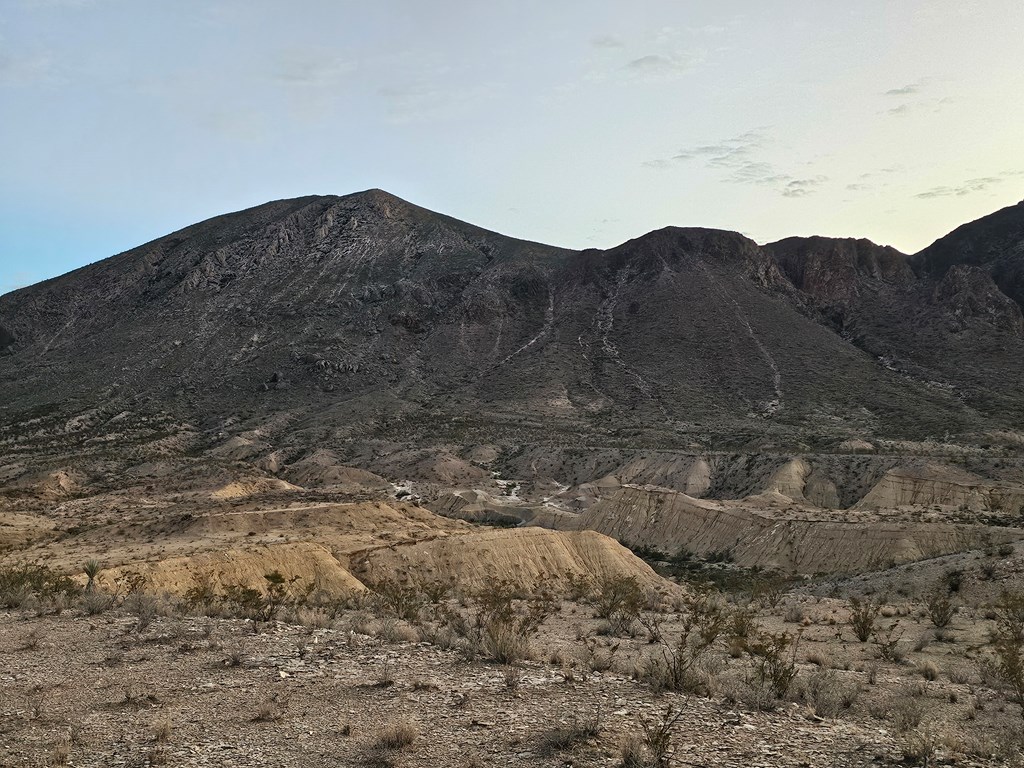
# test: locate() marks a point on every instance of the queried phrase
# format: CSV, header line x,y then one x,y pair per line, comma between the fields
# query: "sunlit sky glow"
x,y
579,124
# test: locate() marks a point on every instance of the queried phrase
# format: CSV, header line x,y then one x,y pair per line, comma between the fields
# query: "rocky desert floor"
x,y
263,625
142,683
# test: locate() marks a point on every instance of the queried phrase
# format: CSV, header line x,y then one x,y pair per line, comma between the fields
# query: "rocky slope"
x,y
324,320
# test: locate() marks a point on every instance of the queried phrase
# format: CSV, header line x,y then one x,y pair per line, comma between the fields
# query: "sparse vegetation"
x,y
863,614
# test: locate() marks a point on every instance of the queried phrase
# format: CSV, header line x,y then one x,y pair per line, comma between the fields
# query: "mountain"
x,y
364,324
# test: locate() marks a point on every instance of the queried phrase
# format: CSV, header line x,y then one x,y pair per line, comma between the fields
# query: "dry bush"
x,y
929,670
817,658
826,693
940,606
773,663
514,675
919,746
743,623
398,734
679,663
502,622
906,713
888,643
61,752
162,730
271,709
564,737
794,614
658,736
95,602
597,657
403,601
632,753
1008,643
32,640
958,676
619,600
863,614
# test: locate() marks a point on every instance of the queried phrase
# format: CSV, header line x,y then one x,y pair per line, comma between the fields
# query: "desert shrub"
x,y
742,623
773,662
906,712
619,600
826,693
1008,643
271,709
863,614
202,596
953,580
887,642
919,746
22,584
580,587
769,592
794,614
95,602
929,671
564,737
597,657
677,662
658,736
260,606
398,734
401,600
500,624
817,658
940,606
632,753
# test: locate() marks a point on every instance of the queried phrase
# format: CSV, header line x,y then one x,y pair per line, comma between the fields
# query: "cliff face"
x,y
333,321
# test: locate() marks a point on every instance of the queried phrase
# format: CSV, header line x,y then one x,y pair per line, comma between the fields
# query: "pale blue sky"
x,y
574,123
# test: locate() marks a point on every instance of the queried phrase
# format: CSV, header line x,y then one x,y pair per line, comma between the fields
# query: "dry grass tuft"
x,y
398,734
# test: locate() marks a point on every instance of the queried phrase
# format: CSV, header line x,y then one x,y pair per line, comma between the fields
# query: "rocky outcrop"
x,y
667,521
311,565
527,557
929,486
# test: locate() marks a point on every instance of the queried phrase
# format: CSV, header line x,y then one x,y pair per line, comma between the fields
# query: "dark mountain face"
x,y
341,320
994,245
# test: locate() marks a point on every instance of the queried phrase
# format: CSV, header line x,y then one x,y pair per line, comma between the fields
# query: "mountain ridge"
x,y
339,321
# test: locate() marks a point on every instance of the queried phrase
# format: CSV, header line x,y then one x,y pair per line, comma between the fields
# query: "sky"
x,y
575,123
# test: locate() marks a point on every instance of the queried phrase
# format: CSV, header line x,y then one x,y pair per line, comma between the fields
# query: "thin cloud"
x,y
737,157
657,65
424,101
803,187
311,69
608,41
25,70
907,90
966,188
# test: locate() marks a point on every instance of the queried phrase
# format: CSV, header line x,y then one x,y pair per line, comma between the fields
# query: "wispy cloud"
x,y
311,68
422,101
738,158
911,99
30,69
959,190
906,90
608,41
979,184
660,66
